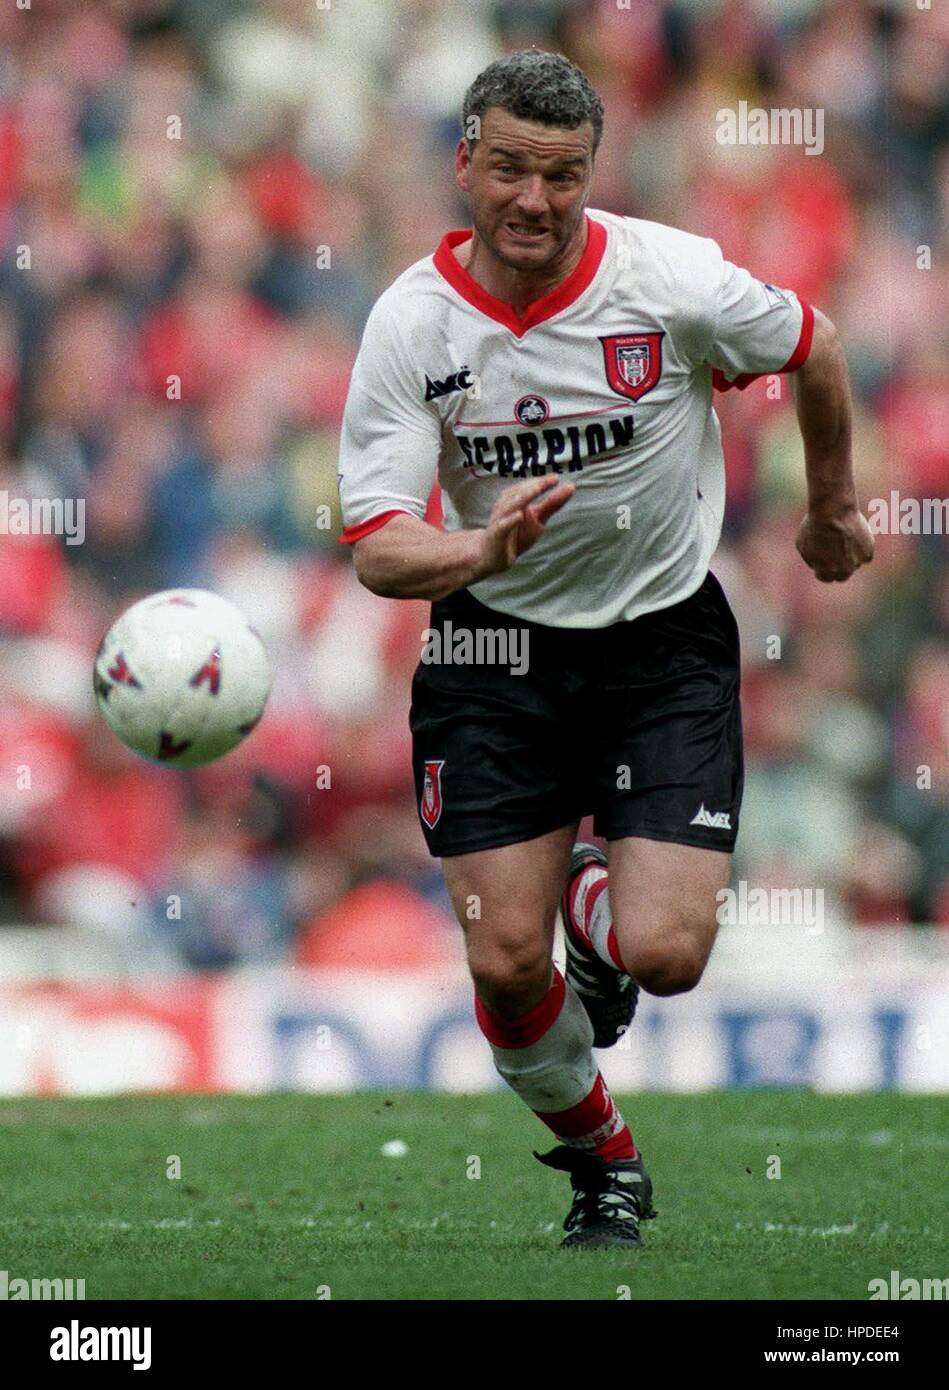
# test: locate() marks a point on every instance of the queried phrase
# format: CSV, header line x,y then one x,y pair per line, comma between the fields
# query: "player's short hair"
x,y
535,86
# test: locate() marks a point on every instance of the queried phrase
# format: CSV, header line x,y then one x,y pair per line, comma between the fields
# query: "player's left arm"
x,y
754,329
834,538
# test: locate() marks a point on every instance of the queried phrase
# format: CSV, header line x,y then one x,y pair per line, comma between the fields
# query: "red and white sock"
x,y
590,913
546,1057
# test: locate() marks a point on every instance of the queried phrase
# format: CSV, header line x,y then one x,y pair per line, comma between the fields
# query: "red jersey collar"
x,y
446,263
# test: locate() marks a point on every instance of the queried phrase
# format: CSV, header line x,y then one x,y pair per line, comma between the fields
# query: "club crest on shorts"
x,y
633,362
430,807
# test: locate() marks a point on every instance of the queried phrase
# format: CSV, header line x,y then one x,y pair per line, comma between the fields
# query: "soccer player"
x,y
553,368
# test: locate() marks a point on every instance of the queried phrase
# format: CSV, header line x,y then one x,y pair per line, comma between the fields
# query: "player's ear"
x,y
462,164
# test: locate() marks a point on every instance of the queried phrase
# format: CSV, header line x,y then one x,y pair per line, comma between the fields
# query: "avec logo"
x,y
462,380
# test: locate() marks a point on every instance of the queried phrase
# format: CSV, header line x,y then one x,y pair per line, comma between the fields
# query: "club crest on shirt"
x,y
633,362
430,806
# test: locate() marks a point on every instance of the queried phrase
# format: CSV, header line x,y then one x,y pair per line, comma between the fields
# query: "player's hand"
x,y
518,519
835,544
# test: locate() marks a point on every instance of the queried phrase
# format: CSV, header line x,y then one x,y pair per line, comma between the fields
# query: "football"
x,y
181,677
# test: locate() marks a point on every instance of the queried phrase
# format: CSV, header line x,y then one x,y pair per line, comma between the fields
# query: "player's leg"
x,y
539,1032
506,901
501,780
608,993
670,780
658,911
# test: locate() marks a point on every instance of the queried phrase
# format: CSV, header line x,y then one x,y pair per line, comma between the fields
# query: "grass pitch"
x,y
285,1196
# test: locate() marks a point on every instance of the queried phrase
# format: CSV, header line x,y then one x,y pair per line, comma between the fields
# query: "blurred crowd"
x,y
199,202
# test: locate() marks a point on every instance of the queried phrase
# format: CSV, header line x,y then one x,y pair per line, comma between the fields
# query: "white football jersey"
x,y
607,380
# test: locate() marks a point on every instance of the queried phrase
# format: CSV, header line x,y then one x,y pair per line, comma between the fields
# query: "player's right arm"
x,y
407,558
390,443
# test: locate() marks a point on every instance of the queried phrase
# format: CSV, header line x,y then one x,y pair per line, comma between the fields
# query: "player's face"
x,y
528,184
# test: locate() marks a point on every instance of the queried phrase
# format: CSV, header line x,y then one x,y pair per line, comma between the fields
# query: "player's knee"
x,y
510,979
672,964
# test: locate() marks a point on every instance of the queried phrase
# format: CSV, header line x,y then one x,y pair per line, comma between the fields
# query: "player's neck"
x,y
517,287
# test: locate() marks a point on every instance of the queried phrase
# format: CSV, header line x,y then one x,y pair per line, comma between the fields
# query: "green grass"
x,y
280,1195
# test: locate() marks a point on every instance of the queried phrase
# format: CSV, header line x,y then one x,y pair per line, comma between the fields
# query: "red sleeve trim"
x,y
800,354
797,359
365,528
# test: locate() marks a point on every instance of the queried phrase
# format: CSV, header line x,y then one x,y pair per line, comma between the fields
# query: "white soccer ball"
x,y
181,677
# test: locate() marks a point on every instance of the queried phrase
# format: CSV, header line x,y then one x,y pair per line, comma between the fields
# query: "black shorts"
x,y
638,724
